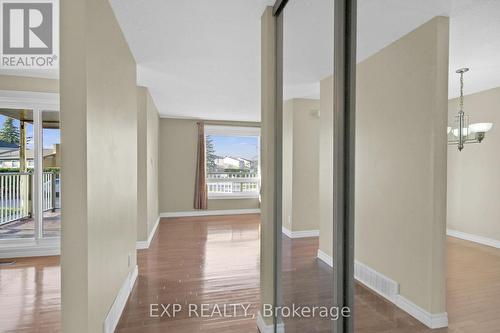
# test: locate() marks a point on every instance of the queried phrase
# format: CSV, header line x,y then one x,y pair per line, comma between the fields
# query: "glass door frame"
x,y
38,102
344,68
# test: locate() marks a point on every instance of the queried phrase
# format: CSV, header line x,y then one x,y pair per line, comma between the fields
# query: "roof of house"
x,y
14,154
5,144
235,158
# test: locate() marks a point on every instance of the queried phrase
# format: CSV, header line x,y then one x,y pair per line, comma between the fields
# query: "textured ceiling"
x,y
198,58
474,38
201,59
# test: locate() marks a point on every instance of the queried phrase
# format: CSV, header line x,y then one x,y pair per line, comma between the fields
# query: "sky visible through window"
x,y
236,146
50,136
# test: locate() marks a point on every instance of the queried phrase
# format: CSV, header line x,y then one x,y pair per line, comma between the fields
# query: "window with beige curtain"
x,y
200,196
232,161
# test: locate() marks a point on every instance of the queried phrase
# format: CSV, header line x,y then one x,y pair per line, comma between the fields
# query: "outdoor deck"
x,y
16,205
25,228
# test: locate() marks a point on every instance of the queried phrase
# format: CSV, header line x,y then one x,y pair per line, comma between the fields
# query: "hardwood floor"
x,y
216,260
473,287
308,281
473,292
30,296
197,260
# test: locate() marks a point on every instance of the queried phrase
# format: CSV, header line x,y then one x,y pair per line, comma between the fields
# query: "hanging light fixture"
x,y
473,133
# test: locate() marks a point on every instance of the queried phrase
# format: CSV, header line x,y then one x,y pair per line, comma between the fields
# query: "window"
x,y
233,160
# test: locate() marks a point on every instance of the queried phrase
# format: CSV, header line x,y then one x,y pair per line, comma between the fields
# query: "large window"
x,y
233,159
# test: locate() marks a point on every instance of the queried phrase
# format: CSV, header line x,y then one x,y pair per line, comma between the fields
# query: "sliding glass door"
x,y
29,175
315,188
305,279
51,176
17,218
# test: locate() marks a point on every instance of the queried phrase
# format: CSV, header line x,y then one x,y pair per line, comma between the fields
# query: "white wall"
x,y
22,83
326,167
401,145
177,168
287,161
148,123
268,161
99,163
474,173
301,137
400,195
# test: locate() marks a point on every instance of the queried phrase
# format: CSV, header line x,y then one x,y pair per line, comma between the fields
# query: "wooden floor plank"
x,y
216,260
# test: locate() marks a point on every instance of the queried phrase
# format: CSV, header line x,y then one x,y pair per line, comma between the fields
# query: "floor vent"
x,y
376,281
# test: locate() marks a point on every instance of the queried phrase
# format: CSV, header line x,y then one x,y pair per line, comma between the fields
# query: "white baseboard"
x,y
300,234
286,231
262,326
389,289
30,248
474,238
325,258
265,328
433,321
211,212
142,245
116,309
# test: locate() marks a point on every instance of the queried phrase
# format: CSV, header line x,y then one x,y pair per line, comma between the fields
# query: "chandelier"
x,y
473,133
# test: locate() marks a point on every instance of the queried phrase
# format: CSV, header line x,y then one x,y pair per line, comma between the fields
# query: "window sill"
x,y
233,196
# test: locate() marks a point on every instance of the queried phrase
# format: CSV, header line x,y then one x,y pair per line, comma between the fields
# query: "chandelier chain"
x,y
461,91
463,133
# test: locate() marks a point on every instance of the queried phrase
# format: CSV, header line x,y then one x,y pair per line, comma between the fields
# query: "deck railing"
x,y
49,190
244,183
16,194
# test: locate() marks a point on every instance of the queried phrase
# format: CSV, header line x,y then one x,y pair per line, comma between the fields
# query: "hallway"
x,y
213,259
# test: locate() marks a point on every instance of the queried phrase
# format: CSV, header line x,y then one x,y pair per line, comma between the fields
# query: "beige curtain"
x,y
200,193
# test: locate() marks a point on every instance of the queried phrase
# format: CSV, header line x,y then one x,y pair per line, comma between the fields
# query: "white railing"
x,y
48,190
16,194
232,175
243,183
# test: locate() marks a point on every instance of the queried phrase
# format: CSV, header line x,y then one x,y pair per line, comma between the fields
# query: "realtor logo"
x,y
27,28
29,34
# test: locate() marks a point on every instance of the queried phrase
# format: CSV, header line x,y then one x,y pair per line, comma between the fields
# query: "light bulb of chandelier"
x,y
480,127
448,130
465,131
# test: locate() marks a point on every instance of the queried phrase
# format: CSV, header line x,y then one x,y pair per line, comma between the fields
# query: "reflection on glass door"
x,y
51,176
306,275
16,174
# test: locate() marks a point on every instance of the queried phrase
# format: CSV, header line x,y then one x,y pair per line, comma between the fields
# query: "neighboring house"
x,y
244,163
7,147
229,162
9,158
